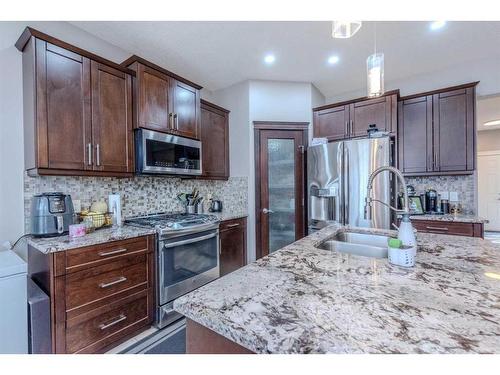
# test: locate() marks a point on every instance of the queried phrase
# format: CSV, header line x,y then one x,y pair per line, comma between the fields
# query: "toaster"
x,y
51,214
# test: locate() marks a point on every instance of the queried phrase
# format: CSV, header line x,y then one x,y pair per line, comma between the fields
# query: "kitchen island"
x,y
302,299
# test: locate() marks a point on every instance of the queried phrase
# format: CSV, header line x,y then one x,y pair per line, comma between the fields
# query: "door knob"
x,y
267,211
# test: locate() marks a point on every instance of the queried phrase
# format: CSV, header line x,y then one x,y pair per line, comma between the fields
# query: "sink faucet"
x,y
405,230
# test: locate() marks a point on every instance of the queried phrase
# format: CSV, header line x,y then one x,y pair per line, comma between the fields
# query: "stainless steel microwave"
x,y
160,153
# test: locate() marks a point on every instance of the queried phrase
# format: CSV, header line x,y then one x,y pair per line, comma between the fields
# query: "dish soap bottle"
x,y
406,233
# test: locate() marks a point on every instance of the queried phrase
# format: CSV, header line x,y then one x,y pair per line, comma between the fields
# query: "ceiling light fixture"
x,y
269,59
345,29
333,60
375,71
492,123
436,25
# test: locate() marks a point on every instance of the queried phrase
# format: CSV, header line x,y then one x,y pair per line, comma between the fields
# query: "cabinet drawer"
x,y
89,257
90,286
232,224
454,228
91,332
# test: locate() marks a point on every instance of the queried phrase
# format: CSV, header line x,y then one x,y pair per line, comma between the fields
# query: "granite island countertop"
x,y
100,236
301,299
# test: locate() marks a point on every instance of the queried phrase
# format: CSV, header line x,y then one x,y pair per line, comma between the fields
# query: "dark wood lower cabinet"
x,y
100,295
451,228
233,240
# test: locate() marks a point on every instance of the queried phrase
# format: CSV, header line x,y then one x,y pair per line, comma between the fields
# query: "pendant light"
x,y
345,29
375,71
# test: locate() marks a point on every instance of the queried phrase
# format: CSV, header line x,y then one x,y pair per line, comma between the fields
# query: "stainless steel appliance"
x,y
187,256
160,153
337,176
216,206
51,214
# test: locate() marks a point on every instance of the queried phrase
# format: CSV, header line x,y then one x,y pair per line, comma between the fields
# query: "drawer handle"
x,y
117,281
121,318
233,225
438,228
117,251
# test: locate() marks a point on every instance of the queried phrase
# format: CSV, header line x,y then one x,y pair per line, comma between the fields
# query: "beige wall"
x,y
488,140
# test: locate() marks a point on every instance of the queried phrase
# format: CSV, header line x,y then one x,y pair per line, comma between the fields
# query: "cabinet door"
x,y
154,99
415,135
111,119
215,142
233,246
454,130
378,111
331,123
63,108
186,109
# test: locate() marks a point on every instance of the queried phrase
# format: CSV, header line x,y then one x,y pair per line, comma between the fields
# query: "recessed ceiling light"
x,y
492,275
436,25
269,59
491,123
333,60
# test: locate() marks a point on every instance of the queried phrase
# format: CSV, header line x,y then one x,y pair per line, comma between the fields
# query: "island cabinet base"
x,y
201,340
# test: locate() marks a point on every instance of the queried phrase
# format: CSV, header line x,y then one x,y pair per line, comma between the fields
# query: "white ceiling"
x,y
219,54
488,109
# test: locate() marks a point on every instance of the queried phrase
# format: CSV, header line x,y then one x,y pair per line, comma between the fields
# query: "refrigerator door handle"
x,y
347,191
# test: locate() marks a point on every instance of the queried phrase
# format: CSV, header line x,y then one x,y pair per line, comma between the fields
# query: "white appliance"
x,y
13,304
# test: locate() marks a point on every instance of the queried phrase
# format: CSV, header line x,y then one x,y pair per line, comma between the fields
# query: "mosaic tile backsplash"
x,y
140,195
465,186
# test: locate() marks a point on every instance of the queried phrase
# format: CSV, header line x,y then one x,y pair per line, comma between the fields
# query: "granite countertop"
x,y
462,218
302,299
63,243
229,215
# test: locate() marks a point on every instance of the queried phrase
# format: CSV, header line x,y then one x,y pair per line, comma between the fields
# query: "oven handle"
x,y
191,240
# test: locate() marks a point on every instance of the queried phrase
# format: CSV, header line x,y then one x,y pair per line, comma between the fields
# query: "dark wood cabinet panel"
x,y
232,245
352,118
186,109
64,124
214,133
451,228
437,132
99,296
112,132
454,130
378,112
331,123
415,135
153,96
77,110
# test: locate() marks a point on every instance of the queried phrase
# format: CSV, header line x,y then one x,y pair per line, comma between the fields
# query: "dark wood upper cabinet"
x,y
454,130
415,135
77,110
215,141
112,132
164,101
331,123
353,118
437,132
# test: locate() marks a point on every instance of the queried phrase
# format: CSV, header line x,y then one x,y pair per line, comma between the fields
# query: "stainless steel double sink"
x,y
363,244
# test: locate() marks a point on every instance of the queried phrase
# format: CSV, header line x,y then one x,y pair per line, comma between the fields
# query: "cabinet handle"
x,y
89,152
347,128
352,128
170,121
98,155
176,118
117,320
233,225
112,252
111,283
438,228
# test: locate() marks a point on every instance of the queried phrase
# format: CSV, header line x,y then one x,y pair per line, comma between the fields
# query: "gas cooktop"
x,y
173,222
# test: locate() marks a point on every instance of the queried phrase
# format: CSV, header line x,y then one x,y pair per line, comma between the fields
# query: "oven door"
x,y
161,153
186,263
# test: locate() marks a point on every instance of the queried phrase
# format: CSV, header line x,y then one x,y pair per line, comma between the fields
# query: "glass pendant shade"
x,y
375,74
345,29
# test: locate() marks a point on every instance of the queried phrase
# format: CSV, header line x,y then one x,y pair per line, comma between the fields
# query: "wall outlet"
x,y
453,196
444,194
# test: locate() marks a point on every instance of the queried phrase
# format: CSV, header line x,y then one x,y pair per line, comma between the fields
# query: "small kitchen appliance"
x,y
216,206
431,200
51,214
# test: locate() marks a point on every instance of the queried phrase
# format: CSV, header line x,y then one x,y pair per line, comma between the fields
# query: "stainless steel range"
x,y
187,257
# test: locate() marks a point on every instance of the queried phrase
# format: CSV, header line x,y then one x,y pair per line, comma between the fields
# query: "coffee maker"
x,y
431,201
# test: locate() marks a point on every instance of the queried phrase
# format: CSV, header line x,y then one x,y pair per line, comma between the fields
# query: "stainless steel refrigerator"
x,y
337,177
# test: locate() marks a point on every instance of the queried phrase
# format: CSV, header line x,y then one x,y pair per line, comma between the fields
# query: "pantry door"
x,y
279,175
488,181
